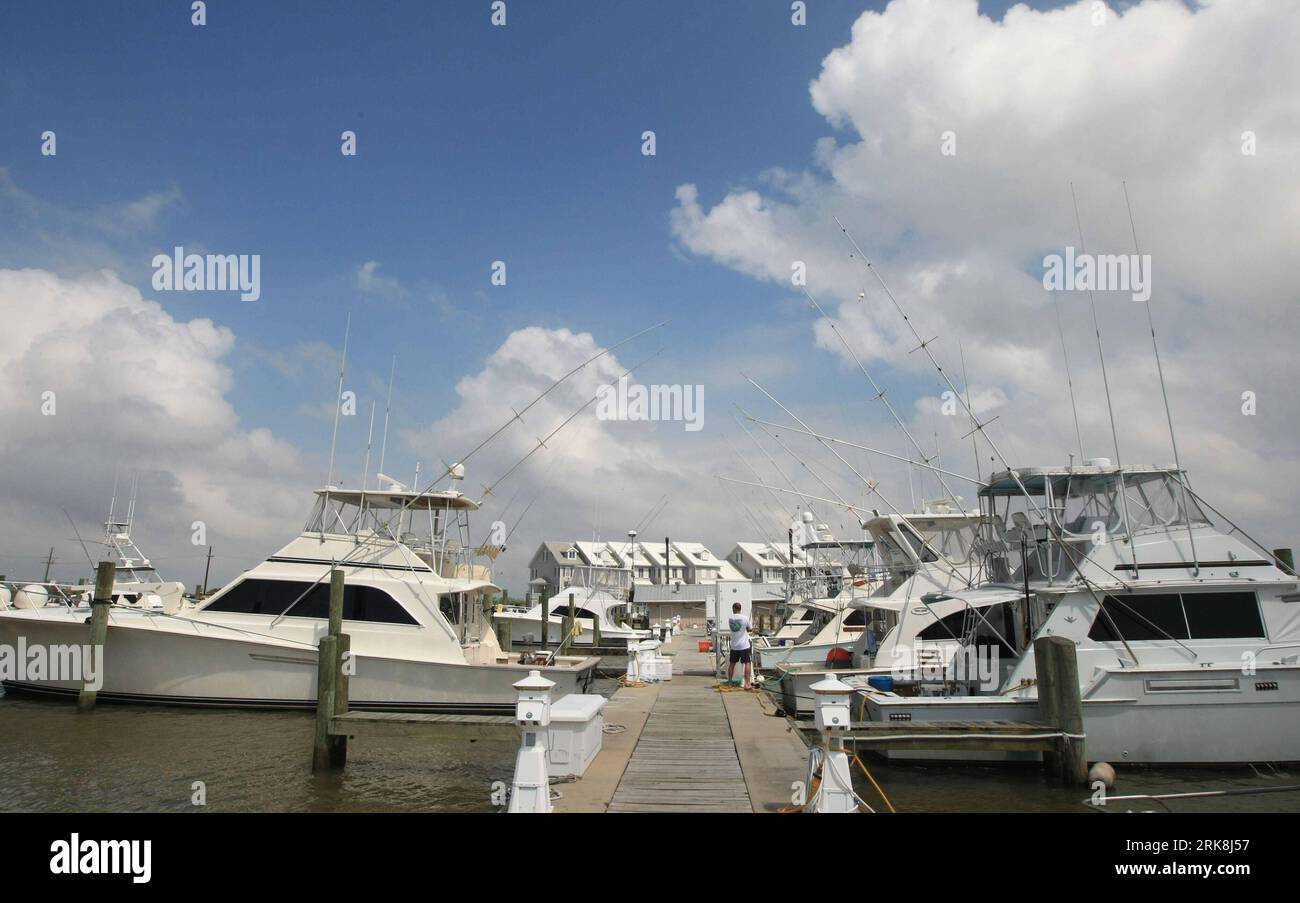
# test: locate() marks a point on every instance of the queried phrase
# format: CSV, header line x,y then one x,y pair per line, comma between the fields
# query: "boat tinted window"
x,y
1215,616
949,627
274,597
1141,617
918,545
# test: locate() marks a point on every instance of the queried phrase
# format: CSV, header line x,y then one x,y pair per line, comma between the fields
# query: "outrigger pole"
x,y
1183,482
981,428
880,394
1105,381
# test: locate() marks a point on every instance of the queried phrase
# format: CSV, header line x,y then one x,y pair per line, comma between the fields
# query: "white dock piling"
x,y
832,718
531,791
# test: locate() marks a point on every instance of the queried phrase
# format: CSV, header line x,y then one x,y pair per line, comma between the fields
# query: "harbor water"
x,y
148,759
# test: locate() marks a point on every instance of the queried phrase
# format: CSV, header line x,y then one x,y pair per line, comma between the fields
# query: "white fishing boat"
x,y
827,629
598,598
821,624
136,582
1187,632
899,626
413,607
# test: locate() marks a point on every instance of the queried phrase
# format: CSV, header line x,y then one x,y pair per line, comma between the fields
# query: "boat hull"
x,y
772,658
1149,716
170,668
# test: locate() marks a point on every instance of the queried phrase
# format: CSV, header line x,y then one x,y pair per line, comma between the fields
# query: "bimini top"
x,y
394,499
1035,478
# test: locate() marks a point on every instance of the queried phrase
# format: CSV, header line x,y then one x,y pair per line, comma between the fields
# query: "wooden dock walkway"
x,y
685,760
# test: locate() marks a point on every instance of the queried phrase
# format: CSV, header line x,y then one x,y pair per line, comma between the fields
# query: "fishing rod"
x,y
924,345
874,451
806,466
541,443
880,393
79,539
872,485
518,416
766,454
779,505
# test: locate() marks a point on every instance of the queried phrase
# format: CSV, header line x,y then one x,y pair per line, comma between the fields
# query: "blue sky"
x,y
523,144
476,144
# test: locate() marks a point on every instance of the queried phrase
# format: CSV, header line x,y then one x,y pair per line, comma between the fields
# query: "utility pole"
x,y
207,568
49,563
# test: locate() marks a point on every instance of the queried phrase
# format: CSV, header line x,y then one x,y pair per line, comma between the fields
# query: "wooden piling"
x,y
336,602
342,690
595,629
331,751
1061,706
99,603
326,688
503,634
546,623
569,620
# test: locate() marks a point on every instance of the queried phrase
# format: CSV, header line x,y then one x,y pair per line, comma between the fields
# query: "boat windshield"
x,y
434,526
1079,511
1092,504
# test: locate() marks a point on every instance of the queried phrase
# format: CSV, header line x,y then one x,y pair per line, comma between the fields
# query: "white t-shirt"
x,y
739,626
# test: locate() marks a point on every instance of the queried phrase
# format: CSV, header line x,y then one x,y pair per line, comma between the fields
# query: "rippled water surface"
x,y
143,758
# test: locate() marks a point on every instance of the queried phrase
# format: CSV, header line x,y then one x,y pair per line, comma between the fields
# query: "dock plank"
x,y
685,759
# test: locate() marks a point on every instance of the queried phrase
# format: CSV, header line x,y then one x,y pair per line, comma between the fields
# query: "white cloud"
x,y
139,391
370,282
594,475
1158,96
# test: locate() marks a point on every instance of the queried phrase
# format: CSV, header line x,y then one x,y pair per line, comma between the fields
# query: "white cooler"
x,y
575,735
663,667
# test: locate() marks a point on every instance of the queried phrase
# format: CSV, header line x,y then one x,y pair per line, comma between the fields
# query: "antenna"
x,y
1110,410
383,447
1169,417
1069,379
130,507
365,470
338,404
112,503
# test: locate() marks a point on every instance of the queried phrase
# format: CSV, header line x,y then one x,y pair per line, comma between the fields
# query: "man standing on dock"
x,y
740,646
